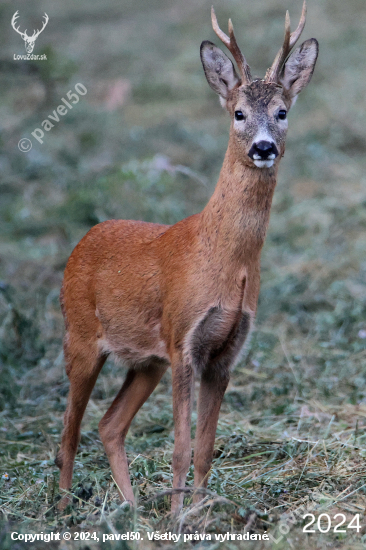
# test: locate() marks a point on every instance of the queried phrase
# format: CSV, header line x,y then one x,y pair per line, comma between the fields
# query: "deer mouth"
x,y
261,163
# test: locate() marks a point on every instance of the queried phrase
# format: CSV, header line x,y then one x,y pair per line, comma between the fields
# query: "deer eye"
x,y
239,115
282,114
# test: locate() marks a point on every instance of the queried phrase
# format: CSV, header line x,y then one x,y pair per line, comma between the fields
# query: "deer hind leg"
x,y
113,427
83,364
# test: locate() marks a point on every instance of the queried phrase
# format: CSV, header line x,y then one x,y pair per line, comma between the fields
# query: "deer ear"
x,y
219,70
299,68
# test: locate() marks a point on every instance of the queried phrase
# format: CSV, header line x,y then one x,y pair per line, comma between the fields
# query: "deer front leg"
x,y
183,380
212,389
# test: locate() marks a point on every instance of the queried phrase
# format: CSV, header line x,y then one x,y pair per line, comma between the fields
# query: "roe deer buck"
x,y
184,295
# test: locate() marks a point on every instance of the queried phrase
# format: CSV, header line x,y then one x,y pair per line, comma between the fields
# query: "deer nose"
x,y
263,150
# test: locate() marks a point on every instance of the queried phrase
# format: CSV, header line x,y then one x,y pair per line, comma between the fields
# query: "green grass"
x,y
292,430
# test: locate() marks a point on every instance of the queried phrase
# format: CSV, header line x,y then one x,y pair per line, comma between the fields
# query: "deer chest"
x,y
216,340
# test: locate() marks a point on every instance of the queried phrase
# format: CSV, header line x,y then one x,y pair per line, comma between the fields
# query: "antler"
x,y
233,48
37,33
13,21
289,42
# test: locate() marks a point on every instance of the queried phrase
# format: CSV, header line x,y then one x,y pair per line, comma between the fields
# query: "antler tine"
x,y
300,27
233,47
15,17
223,37
272,73
44,23
14,21
289,41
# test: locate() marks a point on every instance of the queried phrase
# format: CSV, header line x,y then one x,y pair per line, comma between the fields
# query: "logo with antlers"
x,y
29,40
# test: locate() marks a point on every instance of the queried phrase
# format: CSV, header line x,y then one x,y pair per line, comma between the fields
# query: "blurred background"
x,y
147,142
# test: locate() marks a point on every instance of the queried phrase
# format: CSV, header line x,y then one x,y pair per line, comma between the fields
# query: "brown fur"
x,y
183,295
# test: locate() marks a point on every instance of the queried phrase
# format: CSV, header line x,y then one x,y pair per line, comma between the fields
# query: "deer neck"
x,y
235,220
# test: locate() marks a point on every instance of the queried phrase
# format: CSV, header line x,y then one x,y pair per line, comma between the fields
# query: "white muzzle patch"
x,y
264,163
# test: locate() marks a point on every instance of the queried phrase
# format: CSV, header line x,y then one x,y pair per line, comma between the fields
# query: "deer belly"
x,y
217,339
134,343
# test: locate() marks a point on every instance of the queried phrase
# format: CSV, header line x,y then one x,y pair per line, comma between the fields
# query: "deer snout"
x,y
263,153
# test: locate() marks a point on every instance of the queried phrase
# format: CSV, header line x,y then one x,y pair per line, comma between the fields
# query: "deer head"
x,y
258,108
29,40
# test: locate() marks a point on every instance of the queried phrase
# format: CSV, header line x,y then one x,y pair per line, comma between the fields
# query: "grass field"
x,y
147,142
